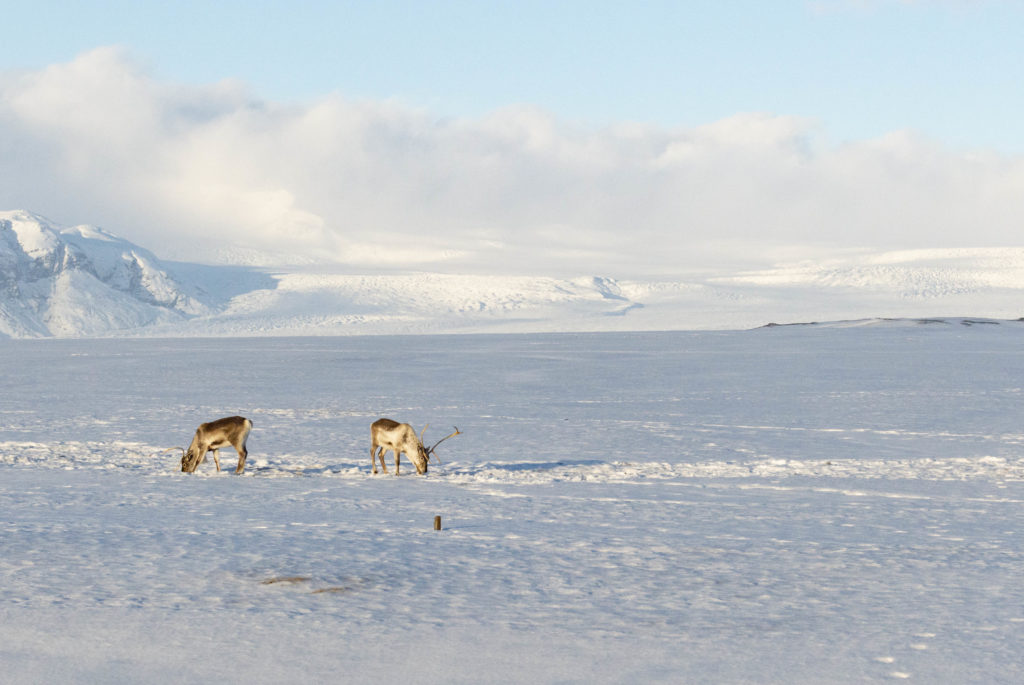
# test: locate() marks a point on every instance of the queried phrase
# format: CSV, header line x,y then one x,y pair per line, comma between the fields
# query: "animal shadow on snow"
x,y
454,468
283,468
514,467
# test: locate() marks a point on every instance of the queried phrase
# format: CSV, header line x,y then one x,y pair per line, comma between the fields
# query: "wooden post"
x,y
437,523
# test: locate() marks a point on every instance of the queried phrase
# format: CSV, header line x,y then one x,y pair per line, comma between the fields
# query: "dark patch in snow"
x,y
625,310
772,324
286,579
883,321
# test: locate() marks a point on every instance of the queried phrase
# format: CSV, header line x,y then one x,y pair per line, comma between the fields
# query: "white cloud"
x,y
177,168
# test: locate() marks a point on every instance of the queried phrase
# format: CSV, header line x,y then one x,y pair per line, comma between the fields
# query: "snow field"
x,y
782,505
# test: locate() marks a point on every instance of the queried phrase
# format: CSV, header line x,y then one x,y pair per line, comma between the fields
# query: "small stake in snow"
x,y
437,523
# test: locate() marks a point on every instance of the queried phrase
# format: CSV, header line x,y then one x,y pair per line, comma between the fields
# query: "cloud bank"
x,y
213,172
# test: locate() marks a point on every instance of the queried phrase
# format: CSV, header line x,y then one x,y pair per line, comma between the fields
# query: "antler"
x,y
430,451
171,449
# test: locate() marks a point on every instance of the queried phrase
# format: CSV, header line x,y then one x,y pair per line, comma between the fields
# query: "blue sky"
x,y
551,134
950,70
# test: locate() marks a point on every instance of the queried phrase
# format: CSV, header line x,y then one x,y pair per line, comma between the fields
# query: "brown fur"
x,y
386,434
210,437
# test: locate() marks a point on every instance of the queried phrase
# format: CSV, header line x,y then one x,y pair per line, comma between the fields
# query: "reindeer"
x,y
232,430
386,434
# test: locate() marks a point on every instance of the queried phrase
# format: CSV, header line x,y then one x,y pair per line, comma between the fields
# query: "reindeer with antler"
x,y
386,434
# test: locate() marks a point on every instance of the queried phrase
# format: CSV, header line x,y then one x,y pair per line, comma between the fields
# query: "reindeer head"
x,y
190,460
420,456
193,457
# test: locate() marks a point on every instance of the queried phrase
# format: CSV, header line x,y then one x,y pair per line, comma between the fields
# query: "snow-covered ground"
x,y
800,504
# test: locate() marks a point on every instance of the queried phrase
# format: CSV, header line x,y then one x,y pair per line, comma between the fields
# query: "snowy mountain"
x,y
83,281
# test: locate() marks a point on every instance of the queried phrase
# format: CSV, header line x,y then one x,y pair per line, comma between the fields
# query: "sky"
x,y
548,136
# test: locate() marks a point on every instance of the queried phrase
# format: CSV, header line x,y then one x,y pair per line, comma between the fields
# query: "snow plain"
x,y
783,505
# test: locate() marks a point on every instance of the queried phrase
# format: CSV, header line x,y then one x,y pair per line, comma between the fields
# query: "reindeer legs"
x,y
243,452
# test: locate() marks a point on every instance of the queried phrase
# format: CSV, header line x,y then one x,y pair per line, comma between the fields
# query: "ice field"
x,y
800,504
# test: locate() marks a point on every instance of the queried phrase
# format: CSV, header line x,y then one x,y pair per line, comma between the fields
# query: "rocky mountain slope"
x,y
82,281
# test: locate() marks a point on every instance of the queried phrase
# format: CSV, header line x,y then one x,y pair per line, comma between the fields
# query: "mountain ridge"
x,y
84,281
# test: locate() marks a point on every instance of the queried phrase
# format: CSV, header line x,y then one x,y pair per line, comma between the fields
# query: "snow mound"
x,y
920,274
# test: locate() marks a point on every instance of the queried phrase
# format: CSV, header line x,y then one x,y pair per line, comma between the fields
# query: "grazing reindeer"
x,y
233,430
386,434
